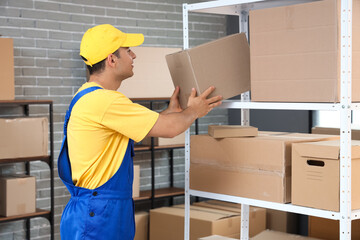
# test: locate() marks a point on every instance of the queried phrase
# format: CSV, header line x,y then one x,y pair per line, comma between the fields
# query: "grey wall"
x,y
47,36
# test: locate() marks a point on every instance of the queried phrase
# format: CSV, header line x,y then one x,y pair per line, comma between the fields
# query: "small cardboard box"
x,y
315,175
295,52
142,225
159,141
216,237
222,63
329,229
222,131
355,133
257,216
151,77
273,235
17,195
252,167
23,137
7,87
168,223
136,183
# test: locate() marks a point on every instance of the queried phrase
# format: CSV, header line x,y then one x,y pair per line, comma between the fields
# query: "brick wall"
x,y
47,36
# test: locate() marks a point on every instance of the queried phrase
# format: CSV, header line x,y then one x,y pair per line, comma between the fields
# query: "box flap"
x,y
325,149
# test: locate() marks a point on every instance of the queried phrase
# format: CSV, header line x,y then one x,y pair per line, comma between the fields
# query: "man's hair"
x,y
100,66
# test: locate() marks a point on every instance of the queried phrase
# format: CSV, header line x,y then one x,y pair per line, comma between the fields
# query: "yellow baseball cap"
x,y
100,41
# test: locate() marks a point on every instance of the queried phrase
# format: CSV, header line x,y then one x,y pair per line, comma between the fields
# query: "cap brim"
x,y
133,40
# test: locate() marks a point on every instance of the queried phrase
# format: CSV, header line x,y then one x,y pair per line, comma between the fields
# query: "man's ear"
x,y
110,60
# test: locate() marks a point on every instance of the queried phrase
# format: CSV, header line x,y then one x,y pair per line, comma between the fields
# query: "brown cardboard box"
x,y
257,216
223,63
159,141
7,88
253,167
295,52
142,226
315,175
329,229
168,223
273,235
281,221
17,195
216,237
355,133
151,77
136,183
24,137
222,131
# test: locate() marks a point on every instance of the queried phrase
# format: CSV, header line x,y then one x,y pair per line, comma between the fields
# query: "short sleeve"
x,y
128,118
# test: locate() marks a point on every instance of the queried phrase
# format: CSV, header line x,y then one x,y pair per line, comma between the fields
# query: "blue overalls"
x,y
106,212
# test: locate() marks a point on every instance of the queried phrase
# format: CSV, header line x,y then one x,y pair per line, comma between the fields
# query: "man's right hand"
x,y
201,104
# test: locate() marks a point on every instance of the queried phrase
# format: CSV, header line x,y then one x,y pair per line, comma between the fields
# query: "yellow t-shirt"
x,y
99,128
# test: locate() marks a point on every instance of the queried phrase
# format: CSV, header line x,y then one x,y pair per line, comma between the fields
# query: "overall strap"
x,y
73,101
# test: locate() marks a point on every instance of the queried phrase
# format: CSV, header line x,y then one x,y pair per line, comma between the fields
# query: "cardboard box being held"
x,y
252,167
151,77
17,195
223,63
24,137
295,52
168,223
222,131
7,87
142,225
315,175
329,229
273,235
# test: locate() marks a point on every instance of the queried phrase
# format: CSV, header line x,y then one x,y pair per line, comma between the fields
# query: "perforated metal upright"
x,y
345,215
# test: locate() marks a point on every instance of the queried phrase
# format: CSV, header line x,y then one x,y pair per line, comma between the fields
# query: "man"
x,y
95,161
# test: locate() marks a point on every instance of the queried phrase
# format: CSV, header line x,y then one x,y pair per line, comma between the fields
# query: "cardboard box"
x,y
17,195
136,182
223,63
273,235
168,223
216,237
252,167
281,221
7,87
222,131
142,225
257,216
295,52
159,141
315,175
355,133
151,77
329,229
24,137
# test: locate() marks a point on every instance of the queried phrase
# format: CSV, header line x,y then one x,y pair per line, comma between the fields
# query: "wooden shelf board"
x,y
148,148
24,102
159,193
38,213
26,159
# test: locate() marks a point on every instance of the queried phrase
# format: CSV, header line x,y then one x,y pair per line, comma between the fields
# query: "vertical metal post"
x,y
345,119
187,136
245,120
51,166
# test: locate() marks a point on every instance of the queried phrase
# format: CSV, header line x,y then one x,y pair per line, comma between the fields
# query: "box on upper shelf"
x,y
24,137
315,175
295,52
159,141
151,77
7,87
17,195
252,167
222,131
223,63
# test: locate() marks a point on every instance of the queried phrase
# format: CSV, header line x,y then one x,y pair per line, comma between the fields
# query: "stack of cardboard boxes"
x,y
20,138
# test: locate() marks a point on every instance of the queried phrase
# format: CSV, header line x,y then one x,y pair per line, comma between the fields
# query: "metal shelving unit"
x,y
345,215
49,160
